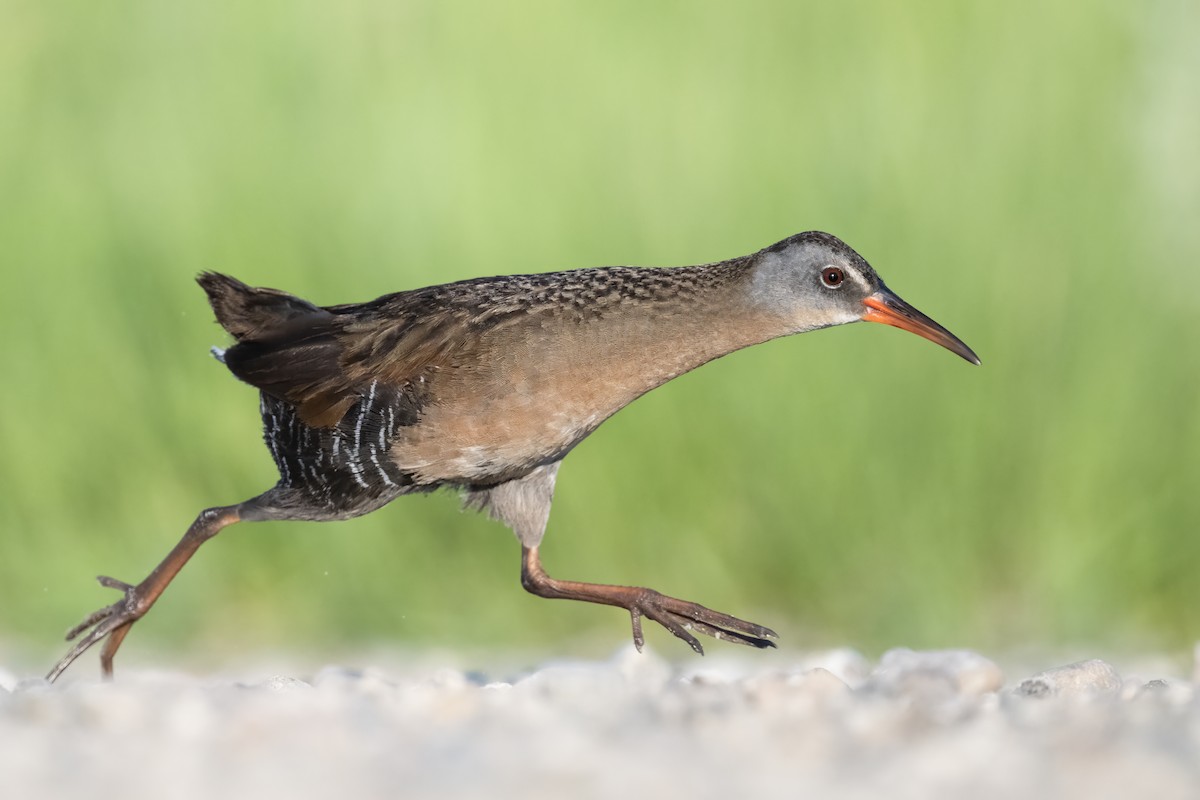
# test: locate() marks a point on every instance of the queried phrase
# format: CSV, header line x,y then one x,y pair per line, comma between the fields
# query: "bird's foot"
x,y
680,617
111,621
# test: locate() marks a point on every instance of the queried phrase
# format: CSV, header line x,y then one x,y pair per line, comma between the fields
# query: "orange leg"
x,y
115,621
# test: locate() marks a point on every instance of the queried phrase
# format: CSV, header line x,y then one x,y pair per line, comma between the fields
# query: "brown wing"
x,y
322,359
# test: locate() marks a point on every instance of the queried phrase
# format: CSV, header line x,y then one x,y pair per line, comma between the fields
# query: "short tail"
x,y
250,313
287,347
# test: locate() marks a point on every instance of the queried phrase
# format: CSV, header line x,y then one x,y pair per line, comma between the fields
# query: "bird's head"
x,y
816,280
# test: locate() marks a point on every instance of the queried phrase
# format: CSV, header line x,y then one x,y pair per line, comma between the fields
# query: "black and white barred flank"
x,y
345,470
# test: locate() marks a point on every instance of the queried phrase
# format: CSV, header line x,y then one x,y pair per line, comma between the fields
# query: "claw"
x,y
97,625
102,623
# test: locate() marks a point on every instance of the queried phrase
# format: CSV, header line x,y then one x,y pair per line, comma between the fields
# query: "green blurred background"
x,y
1028,173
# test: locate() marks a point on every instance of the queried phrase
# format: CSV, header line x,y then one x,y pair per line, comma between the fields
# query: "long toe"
x,y
92,619
106,625
652,610
681,616
735,637
100,624
724,622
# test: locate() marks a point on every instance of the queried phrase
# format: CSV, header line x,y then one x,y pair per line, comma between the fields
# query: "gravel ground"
x,y
915,725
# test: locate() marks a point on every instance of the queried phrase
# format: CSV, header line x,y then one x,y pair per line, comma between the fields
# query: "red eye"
x,y
832,277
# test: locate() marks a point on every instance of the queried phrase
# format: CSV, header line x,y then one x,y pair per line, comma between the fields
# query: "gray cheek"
x,y
779,284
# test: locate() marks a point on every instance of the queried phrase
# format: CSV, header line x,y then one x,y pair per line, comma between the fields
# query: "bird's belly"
x,y
495,421
501,431
495,443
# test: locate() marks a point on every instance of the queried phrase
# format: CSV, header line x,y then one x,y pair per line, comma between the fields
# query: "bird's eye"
x,y
832,277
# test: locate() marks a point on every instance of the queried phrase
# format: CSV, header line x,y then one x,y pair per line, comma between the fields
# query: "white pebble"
x,y
903,671
1082,679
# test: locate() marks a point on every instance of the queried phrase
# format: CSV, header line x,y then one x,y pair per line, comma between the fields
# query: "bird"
x,y
484,386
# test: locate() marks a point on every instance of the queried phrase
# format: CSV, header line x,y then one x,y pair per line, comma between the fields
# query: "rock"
x,y
1170,693
845,663
788,691
934,672
32,685
1091,678
820,682
369,682
646,669
281,683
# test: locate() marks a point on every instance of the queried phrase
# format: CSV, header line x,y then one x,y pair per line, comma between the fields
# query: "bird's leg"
x,y
115,621
677,616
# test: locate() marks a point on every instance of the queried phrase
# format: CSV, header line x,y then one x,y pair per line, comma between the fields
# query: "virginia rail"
x,y
486,385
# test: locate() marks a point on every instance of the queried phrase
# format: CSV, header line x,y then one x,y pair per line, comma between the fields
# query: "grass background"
x,y
1027,173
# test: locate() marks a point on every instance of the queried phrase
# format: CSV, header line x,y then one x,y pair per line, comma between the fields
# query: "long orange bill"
x,y
886,307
